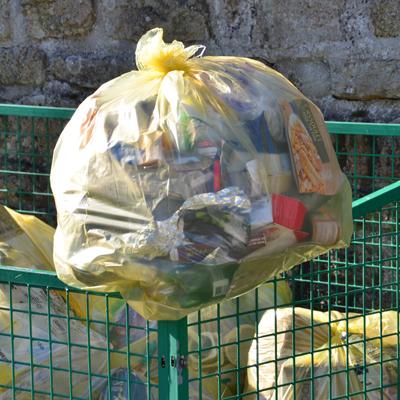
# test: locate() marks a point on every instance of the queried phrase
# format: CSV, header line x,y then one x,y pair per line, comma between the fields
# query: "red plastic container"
x,y
288,212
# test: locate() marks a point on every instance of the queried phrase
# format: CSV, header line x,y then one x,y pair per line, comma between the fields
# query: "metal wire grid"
x,y
368,154
360,281
362,278
218,357
27,139
53,347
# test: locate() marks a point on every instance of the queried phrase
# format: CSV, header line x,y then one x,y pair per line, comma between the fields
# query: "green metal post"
x,y
173,374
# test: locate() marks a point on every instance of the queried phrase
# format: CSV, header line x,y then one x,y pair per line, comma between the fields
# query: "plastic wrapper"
x,y
338,345
195,179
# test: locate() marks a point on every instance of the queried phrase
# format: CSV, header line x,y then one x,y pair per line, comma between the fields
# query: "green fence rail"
x,y
58,342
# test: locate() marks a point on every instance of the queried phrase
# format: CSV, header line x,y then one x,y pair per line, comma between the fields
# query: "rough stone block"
x,y
58,18
312,77
89,70
5,29
385,18
355,21
237,26
300,22
22,65
128,20
366,79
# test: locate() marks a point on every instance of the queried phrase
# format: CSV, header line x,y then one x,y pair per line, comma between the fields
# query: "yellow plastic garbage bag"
x,y
323,348
195,179
25,241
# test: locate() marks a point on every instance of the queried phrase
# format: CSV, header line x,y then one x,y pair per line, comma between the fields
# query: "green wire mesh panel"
x,y
368,154
27,139
57,343
220,338
327,329
338,338
361,278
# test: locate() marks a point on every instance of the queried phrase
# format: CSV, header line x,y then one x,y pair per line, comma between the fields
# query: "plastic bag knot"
x,y
153,54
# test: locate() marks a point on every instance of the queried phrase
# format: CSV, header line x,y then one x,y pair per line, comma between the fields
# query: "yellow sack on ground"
x,y
321,352
195,179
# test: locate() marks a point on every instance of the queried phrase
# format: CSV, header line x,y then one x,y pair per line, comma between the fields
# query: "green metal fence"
x,y
337,337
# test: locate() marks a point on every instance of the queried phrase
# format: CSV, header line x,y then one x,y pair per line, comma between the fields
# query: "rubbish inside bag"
x,y
195,179
347,355
17,230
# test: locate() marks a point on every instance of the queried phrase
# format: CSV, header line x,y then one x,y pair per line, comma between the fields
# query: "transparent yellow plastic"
x,y
193,180
328,349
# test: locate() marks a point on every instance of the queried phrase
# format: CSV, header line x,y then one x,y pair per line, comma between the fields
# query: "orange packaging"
x,y
314,162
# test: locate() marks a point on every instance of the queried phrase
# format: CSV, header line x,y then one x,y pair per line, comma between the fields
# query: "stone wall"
x,y
344,54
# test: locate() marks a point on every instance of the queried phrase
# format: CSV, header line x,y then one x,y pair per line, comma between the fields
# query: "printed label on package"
x,y
302,109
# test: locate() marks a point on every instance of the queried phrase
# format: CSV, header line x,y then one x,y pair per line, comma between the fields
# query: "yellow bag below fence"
x,y
195,180
324,350
25,241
